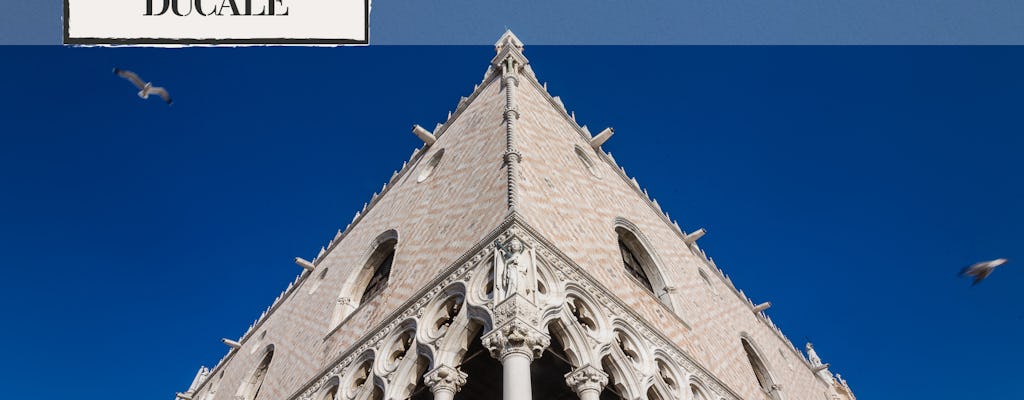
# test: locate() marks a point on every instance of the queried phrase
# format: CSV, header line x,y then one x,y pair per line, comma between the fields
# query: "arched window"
x,y
382,259
367,282
639,263
633,266
764,379
250,389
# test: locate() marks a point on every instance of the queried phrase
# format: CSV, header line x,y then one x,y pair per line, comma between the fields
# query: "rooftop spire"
x,y
508,39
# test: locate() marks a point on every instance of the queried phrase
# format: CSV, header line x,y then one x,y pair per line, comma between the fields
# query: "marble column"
x,y
516,342
587,382
444,381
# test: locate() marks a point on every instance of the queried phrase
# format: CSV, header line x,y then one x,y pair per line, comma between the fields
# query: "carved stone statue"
x,y
812,355
514,268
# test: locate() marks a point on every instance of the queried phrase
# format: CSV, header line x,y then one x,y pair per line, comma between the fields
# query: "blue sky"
x,y
639,21
847,185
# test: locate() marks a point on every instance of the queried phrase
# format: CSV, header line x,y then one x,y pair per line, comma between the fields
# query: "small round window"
x,y
587,162
431,165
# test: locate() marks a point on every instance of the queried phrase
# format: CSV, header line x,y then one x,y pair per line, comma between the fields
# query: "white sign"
x,y
174,22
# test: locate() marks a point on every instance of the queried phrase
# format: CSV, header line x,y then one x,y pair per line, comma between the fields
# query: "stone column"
x,y
444,382
587,382
516,341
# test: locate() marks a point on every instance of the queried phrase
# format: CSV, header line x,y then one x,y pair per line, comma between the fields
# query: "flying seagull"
x,y
981,270
145,88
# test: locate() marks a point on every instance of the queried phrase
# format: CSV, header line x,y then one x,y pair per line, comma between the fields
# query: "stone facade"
x,y
512,234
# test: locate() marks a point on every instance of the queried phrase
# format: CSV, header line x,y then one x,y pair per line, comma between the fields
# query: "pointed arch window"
x,y
639,263
764,379
633,266
250,389
380,276
365,283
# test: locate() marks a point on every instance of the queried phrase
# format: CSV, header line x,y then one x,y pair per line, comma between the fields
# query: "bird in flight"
x,y
981,270
145,88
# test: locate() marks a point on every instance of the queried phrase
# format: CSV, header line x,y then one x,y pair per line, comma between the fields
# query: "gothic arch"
x,y
656,392
548,286
250,387
330,391
402,362
572,339
621,378
448,327
697,391
626,342
640,261
442,311
481,283
667,374
576,296
396,348
762,373
370,279
359,381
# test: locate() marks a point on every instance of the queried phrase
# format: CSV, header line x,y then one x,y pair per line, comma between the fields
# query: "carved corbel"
x,y
693,236
602,137
424,135
306,265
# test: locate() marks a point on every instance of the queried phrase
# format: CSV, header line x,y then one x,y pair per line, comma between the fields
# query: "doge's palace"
x,y
512,257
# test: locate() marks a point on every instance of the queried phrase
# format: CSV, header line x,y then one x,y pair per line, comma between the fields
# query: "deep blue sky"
x,y
846,185
638,21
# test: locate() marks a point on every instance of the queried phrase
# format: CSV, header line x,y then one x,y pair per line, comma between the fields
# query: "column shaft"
x,y
448,395
516,377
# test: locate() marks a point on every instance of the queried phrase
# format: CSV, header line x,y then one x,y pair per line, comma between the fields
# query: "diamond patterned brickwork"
x,y
577,211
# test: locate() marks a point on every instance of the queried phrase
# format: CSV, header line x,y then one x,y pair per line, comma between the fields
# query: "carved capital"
x,y
445,378
515,332
586,378
516,337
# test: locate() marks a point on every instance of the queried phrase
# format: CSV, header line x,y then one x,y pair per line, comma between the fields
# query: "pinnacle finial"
x,y
508,39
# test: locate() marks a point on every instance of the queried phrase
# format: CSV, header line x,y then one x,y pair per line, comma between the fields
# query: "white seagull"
x,y
981,270
145,88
